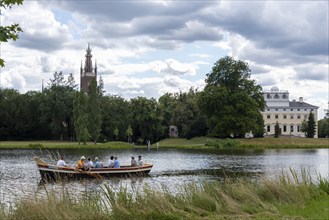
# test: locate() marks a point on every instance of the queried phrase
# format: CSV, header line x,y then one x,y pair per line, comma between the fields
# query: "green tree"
x,y
81,117
308,127
277,130
231,101
94,111
147,119
9,32
129,133
115,113
323,127
116,133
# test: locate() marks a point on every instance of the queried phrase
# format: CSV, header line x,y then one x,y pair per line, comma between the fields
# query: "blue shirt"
x,y
116,164
98,164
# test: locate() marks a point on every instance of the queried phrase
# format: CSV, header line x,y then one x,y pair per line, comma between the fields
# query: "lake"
x,y
172,168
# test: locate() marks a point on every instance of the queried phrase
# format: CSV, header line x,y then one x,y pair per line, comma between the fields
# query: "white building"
x,y
289,114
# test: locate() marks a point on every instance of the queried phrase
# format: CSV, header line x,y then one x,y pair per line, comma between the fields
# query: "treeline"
x,y
230,105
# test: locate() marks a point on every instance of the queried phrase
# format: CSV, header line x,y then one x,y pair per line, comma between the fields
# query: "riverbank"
x,y
62,145
290,196
181,143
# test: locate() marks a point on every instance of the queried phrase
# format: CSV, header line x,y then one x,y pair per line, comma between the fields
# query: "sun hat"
x,y
96,158
83,158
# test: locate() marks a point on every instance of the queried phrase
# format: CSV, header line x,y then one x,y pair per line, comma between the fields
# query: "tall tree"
x,y
129,133
308,127
81,117
147,119
231,101
9,32
115,113
277,130
94,111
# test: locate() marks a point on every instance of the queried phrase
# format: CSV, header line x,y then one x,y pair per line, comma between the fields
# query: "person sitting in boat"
x,y
116,162
90,163
81,163
140,161
111,162
98,164
61,162
133,162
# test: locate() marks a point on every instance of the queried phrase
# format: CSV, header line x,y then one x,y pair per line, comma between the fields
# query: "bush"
x,y
223,143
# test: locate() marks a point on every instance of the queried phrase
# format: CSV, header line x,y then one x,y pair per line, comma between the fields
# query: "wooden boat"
x,y
54,172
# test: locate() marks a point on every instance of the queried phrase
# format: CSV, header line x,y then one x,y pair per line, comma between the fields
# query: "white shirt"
x,y
61,163
111,163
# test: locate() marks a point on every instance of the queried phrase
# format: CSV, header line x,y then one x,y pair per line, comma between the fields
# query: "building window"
x,y
268,96
298,116
268,116
291,116
291,128
284,128
298,109
268,128
298,128
305,110
284,109
284,116
291,109
268,109
305,117
276,116
284,96
276,109
276,96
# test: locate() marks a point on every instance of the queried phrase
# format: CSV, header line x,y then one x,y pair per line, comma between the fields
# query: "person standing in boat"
x,y
133,162
81,163
61,162
111,162
116,162
140,161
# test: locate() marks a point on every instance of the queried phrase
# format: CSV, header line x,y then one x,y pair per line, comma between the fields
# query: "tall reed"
x,y
232,198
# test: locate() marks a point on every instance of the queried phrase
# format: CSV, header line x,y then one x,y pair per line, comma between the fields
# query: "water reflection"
x,y
172,168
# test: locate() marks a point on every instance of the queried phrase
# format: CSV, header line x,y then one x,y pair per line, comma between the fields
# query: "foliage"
x,y
181,109
9,32
81,117
231,101
323,128
115,114
147,119
94,111
308,127
277,130
285,197
223,143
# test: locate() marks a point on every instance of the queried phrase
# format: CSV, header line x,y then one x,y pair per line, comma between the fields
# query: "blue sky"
x,y
148,48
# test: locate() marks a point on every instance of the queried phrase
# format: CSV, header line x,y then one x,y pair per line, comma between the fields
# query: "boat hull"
x,y
56,173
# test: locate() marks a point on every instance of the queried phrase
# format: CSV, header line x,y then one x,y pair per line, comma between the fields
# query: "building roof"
x,y
297,104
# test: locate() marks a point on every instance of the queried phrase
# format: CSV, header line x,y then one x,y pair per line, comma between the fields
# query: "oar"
x,y
96,175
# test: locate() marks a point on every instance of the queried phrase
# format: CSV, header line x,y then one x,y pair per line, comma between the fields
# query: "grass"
x,y
181,143
61,145
288,197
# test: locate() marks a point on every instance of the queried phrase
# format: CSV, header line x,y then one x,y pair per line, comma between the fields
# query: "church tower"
x,y
87,73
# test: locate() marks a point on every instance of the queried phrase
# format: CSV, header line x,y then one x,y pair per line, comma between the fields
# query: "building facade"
x,y
289,114
87,73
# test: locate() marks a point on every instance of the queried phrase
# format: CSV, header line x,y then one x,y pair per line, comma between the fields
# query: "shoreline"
x,y
180,143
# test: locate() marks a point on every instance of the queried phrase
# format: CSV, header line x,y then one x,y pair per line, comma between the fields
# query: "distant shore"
x,y
180,143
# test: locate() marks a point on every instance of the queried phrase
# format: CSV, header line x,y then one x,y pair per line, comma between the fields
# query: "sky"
x,y
149,48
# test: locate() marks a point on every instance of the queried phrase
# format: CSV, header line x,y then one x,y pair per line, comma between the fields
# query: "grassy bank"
x,y
180,143
283,198
61,145
253,143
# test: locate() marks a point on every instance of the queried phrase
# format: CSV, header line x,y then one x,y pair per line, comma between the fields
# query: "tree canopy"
x,y
231,101
9,32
